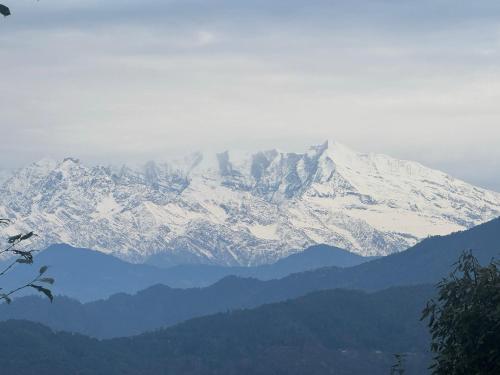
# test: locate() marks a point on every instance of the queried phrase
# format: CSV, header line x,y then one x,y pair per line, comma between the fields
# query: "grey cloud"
x,y
141,79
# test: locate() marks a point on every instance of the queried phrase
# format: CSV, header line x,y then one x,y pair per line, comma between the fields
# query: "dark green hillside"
x,y
329,332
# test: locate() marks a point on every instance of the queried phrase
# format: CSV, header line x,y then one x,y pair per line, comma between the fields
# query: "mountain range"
x,y
330,332
240,211
160,306
88,275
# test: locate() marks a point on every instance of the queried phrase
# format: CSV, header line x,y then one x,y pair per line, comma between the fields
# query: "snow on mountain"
x,y
252,210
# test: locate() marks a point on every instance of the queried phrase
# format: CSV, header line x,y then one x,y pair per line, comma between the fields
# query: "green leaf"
x,y
43,270
27,236
4,11
43,290
13,239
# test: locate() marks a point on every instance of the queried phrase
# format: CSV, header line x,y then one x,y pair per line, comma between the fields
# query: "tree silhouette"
x,y
465,320
17,250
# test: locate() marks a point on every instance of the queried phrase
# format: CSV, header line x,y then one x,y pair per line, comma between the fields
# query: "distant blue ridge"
x,y
89,275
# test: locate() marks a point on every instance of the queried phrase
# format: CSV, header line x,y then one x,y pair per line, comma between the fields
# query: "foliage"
x,y
23,256
465,320
4,10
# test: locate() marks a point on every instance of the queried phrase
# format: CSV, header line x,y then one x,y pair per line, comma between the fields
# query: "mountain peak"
x,y
70,160
252,209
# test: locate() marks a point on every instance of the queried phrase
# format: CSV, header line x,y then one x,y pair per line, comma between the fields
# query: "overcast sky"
x,y
112,81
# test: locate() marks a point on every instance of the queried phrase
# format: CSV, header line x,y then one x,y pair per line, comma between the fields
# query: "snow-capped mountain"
x,y
248,211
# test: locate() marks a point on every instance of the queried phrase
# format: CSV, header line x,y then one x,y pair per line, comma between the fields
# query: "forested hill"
x,y
328,332
161,306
